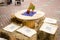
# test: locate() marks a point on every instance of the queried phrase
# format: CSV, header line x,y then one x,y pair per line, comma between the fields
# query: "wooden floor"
x,y
50,7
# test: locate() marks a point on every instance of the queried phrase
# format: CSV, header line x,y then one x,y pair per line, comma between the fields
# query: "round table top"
x,y
38,15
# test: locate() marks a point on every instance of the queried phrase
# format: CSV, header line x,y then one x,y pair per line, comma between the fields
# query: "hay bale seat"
x,y
6,35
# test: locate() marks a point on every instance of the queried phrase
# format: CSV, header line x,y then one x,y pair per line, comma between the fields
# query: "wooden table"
x,y
30,20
